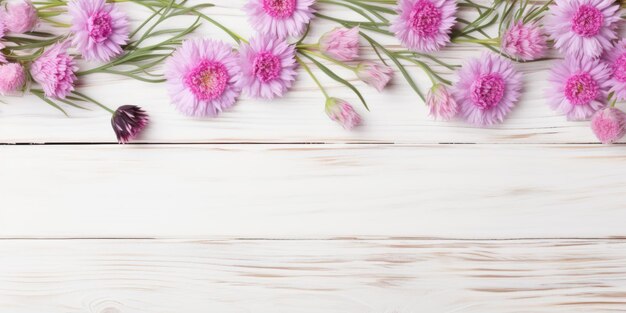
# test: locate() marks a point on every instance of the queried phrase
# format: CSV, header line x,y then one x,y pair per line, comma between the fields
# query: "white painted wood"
x,y
397,114
129,276
313,191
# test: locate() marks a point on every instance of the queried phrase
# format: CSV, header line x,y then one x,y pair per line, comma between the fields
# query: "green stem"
x,y
490,41
94,101
308,70
321,56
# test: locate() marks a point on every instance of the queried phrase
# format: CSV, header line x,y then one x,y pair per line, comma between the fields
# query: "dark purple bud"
x,y
128,121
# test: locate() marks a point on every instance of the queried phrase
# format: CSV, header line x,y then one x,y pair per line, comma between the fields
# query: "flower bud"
x,y
441,103
524,41
128,121
373,74
341,43
609,125
20,16
12,78
343,113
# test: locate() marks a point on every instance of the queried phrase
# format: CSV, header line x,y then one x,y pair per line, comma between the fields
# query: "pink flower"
x,y
201,77
487,90
99,29
524,41
343,113
2,58
615,58
424,25
268,67
128,121
441,103
12,78
374,74
609,125
579,87
583,27
20,16
341,43
54,71
279,18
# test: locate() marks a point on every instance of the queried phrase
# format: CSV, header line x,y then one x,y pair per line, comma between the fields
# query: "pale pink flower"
x,y
54,71
99,29
128,121
424,25
201,77
279,18
2,30
488,89
341,43
583,27
343,113
440,103
524,41
615,58
12,78
609,125
20,16
268,67
374,74
579,87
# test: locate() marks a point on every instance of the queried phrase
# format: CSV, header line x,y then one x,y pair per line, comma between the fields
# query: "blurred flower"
x,y
488,89
424,25
341,43
20,16
583,27
201,77
579,87
343,113
54,71
615,58
280,18
2,29
441,103
524,41
268,67
374,74
99,29
609,125
12,78
128,121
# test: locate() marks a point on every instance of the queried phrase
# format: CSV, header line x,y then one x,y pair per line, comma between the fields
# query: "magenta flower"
x,y
12,78
201,77
128,121
440,103
343,113
424,25
99,29
20,16
54,71
279,18
374,74
579,87
615,58
268,67
609,125
524,41
341,43
583,27
487,90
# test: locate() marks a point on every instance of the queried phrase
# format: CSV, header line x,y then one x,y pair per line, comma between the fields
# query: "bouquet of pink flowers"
x,y
205,76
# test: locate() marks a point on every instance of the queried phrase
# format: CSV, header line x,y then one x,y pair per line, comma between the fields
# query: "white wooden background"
x,y
273,208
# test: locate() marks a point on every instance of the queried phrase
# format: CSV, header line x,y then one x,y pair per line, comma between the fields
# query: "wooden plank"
x,y
313,191
102,276
397,114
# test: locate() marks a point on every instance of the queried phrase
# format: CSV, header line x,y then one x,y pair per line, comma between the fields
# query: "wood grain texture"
x,y
313,191
397,114
400,276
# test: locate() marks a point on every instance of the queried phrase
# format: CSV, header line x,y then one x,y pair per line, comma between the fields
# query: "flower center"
x,y
279,8
266,66
581,89
619,68
207,80
487,91
100,26
425,18
587,21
